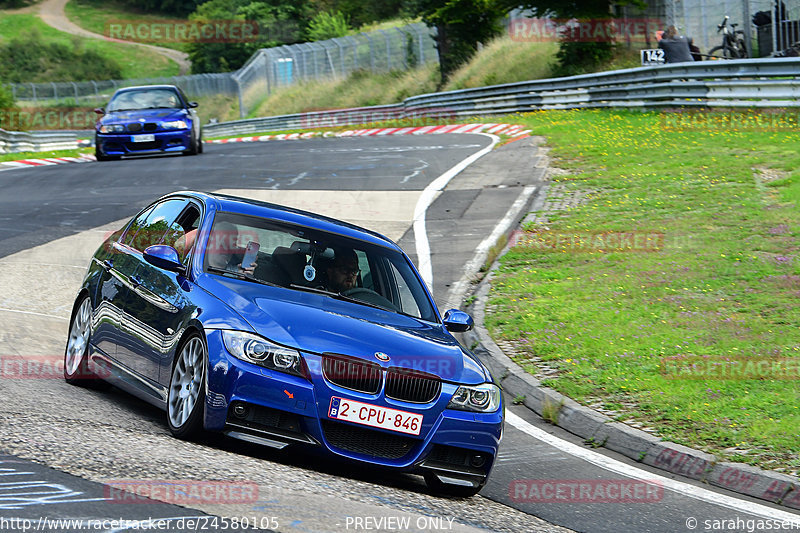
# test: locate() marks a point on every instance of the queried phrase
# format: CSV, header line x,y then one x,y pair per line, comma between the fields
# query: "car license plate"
x,y
146,138
375,416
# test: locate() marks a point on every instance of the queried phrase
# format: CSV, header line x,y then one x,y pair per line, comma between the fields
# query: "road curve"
x,y
52,13
104,436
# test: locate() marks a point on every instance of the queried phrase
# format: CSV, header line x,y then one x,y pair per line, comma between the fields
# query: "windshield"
x,y
144,99
305,259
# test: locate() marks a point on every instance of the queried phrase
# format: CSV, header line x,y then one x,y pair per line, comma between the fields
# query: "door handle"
x,y
136,281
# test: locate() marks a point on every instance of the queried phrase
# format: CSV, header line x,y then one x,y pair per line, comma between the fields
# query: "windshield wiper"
x,y
240,275
336,295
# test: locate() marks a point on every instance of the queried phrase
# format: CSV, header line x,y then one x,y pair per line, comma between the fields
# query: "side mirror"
x,y
193,104
99,110
164,257
457,321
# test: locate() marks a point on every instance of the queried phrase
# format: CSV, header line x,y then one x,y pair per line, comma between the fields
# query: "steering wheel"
x,y
369,296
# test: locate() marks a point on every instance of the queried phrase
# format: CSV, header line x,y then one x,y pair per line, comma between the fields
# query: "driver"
x,y
343,272
168,100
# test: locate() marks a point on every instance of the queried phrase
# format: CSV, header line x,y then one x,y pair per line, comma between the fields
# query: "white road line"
x,y
426,199
624,469
482,251
4,310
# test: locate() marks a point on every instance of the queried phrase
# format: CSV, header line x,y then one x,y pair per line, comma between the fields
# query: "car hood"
x,y
146,114
320,324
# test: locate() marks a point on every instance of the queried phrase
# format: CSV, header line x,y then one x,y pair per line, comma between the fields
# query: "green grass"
x,y
725,285
501,61
40,155
505,61
359,89
95,15
135,61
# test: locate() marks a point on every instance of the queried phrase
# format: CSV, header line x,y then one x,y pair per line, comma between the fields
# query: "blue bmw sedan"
x,y
282,327
146,120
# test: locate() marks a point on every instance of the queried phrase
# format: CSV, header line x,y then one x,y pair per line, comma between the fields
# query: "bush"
x,y
327,25
5,4
27,59
575,57
6,97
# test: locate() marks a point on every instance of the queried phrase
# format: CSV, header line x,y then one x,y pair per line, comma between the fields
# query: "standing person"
x,y
676,47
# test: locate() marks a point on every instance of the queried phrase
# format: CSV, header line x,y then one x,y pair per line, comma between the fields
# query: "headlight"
x,y
112,128
483,398
258,350
175,125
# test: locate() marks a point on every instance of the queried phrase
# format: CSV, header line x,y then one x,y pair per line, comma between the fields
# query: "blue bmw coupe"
x,y
278,326
146,120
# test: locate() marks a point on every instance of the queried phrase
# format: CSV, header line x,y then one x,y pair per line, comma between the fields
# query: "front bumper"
x,y
247,401
116,144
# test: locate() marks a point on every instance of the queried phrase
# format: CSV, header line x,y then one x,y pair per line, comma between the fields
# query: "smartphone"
x,y
250,254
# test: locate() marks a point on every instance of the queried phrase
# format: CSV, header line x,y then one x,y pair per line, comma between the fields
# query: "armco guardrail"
x,y
737,83
17,141
314,119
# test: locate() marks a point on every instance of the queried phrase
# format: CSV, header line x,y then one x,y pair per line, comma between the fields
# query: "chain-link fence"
x,y
378,51
269,68
768,25
91,93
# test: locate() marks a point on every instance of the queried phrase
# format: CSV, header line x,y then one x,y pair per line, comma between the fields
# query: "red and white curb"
x,y
27,163
513,130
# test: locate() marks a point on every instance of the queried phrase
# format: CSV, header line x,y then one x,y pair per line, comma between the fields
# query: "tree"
x,y
176,8
576,55
280,22
460,26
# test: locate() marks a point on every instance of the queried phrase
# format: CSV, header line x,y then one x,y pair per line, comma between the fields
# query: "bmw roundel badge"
x,y
380,356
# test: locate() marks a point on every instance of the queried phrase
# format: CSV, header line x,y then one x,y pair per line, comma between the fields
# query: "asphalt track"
x,y
44,214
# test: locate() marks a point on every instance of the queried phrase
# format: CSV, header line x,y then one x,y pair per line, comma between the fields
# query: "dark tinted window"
x,y
160,220
144,99
302,258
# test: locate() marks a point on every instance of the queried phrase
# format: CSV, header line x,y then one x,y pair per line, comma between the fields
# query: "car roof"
x,y
139,87
247,206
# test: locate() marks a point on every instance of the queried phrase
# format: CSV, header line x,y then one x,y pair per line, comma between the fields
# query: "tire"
x,y
100,156
200,144
186,396
743,54
193,143
721,52
443,489
76,353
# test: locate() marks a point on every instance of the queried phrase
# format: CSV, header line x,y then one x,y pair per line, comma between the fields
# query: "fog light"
x,y
240,410
477,460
